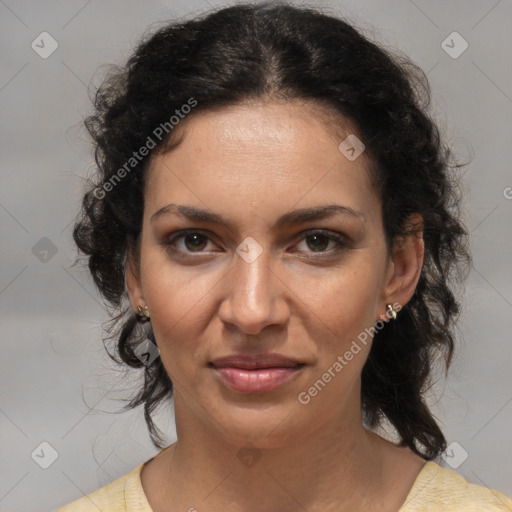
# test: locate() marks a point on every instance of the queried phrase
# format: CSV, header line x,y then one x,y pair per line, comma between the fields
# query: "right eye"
x,y
188,242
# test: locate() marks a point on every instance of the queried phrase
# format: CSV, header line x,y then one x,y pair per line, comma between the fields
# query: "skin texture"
x,y
300,297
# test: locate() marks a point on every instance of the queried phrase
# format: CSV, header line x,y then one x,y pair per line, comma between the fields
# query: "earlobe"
x,y
407,262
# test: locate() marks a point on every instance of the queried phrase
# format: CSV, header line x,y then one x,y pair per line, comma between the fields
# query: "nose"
x,y
255,296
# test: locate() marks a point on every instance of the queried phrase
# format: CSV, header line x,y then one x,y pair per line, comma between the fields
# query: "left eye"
x,y
318,241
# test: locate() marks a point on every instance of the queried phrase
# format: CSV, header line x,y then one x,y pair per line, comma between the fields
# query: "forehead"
x,y
261,154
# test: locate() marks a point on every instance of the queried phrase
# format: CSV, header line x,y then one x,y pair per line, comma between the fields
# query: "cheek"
x,y
343,308
176,298
174,291
342,304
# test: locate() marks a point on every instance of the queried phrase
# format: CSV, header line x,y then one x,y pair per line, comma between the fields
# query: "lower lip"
x,y
254,381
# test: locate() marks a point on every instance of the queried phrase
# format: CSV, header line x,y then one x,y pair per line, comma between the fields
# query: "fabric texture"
x,y
436,489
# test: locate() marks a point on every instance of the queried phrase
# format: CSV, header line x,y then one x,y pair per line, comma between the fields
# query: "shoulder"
x,y
439,489
122,495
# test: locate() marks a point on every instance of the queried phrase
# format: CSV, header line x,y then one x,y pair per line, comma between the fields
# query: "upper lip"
x,y
248,362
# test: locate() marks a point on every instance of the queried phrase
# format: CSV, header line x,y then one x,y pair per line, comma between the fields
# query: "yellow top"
x,y
436,489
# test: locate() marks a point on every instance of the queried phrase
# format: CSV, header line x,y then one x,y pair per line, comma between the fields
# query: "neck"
x,y
338,462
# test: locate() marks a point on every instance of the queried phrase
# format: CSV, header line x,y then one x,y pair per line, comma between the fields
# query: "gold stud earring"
x,y
391,310
143,313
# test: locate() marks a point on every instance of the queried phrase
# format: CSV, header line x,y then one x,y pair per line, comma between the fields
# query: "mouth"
x,y
247,374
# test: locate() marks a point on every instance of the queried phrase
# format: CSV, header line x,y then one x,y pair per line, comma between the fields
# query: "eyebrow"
x,y
291,218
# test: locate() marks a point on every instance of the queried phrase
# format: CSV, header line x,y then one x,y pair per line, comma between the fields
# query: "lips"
x,y
255,374
247,362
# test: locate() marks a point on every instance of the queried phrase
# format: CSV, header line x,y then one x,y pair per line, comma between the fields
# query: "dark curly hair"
x,y
281,52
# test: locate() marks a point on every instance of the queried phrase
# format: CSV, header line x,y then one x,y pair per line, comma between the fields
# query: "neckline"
x,y
136,499
428,472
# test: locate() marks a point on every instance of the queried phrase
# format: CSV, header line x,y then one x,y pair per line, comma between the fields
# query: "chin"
x,y
262,430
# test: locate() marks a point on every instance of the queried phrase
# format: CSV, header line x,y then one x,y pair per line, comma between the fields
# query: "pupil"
x,y
197,241
319,246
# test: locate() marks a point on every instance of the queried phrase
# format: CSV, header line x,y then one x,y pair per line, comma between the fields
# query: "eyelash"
x,y
341,240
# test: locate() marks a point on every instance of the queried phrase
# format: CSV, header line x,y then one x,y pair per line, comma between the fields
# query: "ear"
x,y
405,264
133,283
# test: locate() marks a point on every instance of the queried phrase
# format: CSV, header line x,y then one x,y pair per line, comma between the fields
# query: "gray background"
x,y
58,385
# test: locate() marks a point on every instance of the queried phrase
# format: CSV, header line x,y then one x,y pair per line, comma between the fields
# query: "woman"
x,y
275,221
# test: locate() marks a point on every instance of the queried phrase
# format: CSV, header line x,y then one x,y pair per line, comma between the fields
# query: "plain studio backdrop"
x,y
59,391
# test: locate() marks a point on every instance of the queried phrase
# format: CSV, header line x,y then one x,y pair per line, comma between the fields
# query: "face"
x,y
266,268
